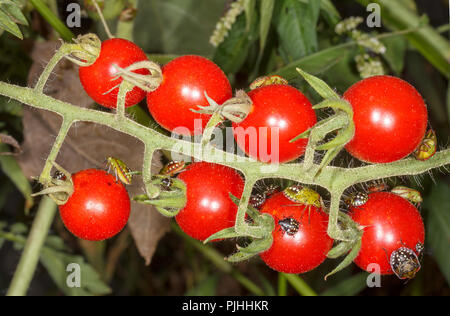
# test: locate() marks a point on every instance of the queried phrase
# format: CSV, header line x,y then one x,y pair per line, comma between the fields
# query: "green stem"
x,y
53,20
299,285
217,259
282,285
64,50
30,256
45,176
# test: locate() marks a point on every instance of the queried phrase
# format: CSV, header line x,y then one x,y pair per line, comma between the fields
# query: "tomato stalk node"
x,y
59,190
85,51
168,203
148,83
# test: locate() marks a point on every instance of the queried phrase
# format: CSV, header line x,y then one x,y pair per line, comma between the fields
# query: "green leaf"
x,y
233,51
180,26
249,8
395,53
330,13
13,9
56,263
398,15
267,7
316,63
438,226
349,287
297,28
12,169
9,25
207,287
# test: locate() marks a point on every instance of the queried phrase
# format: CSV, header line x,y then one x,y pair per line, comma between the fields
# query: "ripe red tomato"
x,y
185,81
209,208
283,110
97,78
300,242
390,222
390,119
99,207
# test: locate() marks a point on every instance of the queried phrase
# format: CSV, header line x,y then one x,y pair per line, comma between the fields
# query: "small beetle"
x,y
411,195
303,195
267,81
166,183
257,200
427,147
357,199
172,168
289,225
121,170
405,263
271,189
377,187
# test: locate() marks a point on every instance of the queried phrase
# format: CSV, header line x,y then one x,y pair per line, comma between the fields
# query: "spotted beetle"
x,y
289,225
405,263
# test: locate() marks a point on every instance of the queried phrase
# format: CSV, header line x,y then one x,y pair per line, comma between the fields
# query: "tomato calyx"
x,y
350,248
171,198
148,83
263,222
85,51
340,123
60,187
235,109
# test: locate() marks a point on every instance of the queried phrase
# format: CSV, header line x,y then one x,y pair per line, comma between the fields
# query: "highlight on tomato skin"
x,y
390,119
279,114
97,78
306,246
209,208
99,207
389,222
186,79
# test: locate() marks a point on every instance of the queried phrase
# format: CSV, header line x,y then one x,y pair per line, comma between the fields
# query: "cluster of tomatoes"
x,y
390,120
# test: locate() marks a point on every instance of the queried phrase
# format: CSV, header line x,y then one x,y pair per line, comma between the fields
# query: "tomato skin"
x,y
209,208
97,78
390,119
303,251
185,81
98,209
389,222
275,106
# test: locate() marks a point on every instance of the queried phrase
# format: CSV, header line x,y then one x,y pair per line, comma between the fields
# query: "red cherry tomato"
x,y
390,119
209,208
278,109
390,222
300,241
185,81
99,207
97,78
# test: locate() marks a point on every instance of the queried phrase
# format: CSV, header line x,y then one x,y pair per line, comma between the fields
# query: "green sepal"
x,y
223,234
348,259
257,245
7,24
340,249
320,86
